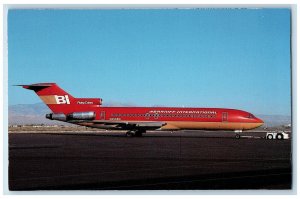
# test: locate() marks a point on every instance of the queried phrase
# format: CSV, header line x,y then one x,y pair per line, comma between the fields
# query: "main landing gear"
x,y
135,133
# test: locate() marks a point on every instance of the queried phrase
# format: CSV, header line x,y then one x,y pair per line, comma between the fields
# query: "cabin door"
x,y
102,115
224,117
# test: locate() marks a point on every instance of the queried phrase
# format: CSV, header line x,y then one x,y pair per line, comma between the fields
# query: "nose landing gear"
x,y
237,134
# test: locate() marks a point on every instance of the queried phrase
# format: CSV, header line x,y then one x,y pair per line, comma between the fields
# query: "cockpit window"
x,y
250,116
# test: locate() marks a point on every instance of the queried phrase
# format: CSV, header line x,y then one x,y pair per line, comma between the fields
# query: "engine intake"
x,y
56,116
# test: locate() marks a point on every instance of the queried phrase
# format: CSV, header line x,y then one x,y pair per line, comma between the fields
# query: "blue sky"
x,y
232,58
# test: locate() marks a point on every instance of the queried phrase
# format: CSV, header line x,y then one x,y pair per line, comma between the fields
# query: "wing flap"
x,y
150,124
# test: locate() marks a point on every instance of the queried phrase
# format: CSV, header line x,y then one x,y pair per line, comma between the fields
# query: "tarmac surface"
x,y
191,160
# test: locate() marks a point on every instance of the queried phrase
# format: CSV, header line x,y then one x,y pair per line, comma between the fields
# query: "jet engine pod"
x,y
56,116
82,115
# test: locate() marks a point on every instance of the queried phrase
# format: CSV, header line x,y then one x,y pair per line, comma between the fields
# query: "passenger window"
x,y
147,115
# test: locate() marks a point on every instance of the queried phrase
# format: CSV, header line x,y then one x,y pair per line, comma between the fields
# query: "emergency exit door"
x,y
102,115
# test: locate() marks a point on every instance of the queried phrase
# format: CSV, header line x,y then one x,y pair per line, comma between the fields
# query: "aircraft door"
x,y
102,115
224,117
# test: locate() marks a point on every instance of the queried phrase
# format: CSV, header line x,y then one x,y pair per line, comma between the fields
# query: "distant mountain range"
x,y
24,114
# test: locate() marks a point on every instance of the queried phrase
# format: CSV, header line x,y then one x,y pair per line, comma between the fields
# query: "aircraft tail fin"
x,y
59,101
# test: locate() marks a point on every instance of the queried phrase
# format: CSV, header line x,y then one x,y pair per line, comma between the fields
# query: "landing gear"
x,y
135,133
237,136
130,134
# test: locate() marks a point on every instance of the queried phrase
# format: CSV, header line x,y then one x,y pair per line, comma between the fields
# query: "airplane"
x,y
137,120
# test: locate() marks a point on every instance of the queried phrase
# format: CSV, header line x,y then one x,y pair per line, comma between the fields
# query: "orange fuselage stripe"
x,y
210,125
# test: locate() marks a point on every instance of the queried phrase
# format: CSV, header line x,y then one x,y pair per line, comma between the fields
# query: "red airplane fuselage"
x,y
89,112
181,118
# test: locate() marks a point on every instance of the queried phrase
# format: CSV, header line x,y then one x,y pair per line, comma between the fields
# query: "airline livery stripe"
x,y
210,125
55,99
48,99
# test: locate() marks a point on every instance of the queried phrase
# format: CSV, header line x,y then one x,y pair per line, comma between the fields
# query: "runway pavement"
x,y
158,161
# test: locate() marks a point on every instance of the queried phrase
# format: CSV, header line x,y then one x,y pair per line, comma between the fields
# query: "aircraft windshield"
x,y
250,116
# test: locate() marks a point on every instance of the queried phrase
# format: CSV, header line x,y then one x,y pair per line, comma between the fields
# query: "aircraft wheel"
x,y
279,136
270,137
237,136
130,134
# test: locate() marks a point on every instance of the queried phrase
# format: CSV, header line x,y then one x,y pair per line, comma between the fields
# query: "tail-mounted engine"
x,y
72,116
56,116
82,116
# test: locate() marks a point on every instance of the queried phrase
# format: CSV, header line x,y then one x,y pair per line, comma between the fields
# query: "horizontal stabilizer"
x,y
36,86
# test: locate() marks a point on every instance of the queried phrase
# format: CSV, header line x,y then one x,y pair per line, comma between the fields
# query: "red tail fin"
x,y
59,101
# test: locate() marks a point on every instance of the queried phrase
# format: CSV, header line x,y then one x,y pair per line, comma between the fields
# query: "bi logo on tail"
x,y
62,99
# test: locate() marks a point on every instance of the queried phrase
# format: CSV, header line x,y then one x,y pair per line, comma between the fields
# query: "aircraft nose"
x,y
260,122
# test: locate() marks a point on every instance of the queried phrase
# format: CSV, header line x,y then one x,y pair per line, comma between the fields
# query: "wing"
x,y
121,125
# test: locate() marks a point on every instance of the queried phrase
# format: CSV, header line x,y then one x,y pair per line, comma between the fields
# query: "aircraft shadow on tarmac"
x,y
119,135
